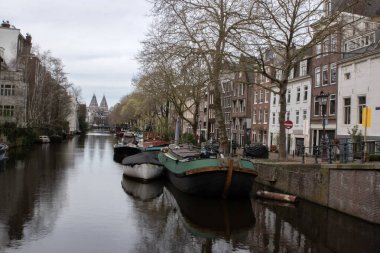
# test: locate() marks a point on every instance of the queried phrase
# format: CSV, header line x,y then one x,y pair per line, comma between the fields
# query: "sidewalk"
x,y
273,158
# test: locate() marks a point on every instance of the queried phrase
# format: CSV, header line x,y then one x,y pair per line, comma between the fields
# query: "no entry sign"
x,y
288,124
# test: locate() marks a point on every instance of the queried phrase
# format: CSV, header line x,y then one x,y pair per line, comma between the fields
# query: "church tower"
x,y
93,103
103,105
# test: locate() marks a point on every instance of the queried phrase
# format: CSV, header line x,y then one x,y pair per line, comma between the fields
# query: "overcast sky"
x,y
96,40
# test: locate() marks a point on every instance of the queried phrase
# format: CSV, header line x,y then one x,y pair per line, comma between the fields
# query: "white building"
x,y
298,110
359,78
14,49
73,116
359,86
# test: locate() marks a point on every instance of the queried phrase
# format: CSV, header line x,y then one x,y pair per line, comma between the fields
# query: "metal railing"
x,y
343,152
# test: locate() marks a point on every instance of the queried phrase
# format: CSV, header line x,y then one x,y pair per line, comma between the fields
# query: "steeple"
x,y
94,102
103,104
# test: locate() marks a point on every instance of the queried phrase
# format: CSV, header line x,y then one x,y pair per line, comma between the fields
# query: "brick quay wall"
x,y
353,189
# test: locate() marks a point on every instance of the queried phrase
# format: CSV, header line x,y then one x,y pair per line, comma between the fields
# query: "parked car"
x,y
44,139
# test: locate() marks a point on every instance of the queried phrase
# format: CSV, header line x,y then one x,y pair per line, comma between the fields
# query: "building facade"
x,y
14,48
97,115
298,97
359,78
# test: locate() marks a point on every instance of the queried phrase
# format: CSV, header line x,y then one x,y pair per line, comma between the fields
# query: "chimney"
x,y
28,38
5,24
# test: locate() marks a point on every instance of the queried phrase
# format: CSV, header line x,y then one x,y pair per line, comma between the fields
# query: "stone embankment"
x,y
352,188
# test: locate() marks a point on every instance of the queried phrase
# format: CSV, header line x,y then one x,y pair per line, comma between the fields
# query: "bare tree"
x,y
222,30
287,32
205,28
49,93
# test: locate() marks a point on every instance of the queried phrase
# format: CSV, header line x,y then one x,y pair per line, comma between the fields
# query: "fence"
x,y
343,152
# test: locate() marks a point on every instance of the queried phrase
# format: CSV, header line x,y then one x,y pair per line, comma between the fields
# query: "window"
x,y
332,104
324,106
317,108
265,116
359,42
297,117
266,96
241,89
274,98
256,99
273,118
303,68
211,98
333,73
317,77
7,90
304,117
325,78
288,115
347,110
261,96
361,106
305,92
326,46
291,73
7,110
212,128
267,70
289,93
318,49
298,94
334,43
254,116
279,74
259,119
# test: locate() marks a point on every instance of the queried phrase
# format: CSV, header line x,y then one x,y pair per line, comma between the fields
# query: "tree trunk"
x,y
282,137
219,115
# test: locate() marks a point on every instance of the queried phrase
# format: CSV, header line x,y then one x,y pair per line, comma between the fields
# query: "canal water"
x,y
71,197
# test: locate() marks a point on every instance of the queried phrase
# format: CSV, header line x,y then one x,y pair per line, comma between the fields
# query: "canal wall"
x,y
349,188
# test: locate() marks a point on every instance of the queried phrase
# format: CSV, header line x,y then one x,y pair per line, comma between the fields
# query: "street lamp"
x,y
322,99
231,138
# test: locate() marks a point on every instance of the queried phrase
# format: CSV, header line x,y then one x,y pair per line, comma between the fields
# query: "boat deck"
x,y
186,152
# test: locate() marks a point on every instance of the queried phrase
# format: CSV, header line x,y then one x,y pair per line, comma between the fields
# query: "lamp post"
x,y
231,138
322,99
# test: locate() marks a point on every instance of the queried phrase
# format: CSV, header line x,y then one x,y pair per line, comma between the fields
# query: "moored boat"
x,y
126,147
209,177
144,166
155,143
43,139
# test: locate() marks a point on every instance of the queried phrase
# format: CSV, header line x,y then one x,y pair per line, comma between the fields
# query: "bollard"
x,y
316,151
363,155
345,152
330,153
303,154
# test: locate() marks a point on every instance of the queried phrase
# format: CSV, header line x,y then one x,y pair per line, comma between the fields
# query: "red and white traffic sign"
x,y
288,124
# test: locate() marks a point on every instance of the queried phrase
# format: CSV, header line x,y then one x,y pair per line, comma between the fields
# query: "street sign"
x,y
367,117
288,124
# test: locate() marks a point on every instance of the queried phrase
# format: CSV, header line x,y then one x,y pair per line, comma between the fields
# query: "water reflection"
x,y
142,191
31,192
68,198
214,218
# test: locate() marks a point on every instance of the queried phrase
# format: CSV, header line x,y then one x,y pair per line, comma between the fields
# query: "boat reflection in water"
x,y
142,191
213,217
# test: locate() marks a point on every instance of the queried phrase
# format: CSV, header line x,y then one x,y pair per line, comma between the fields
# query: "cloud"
x,y
96,40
